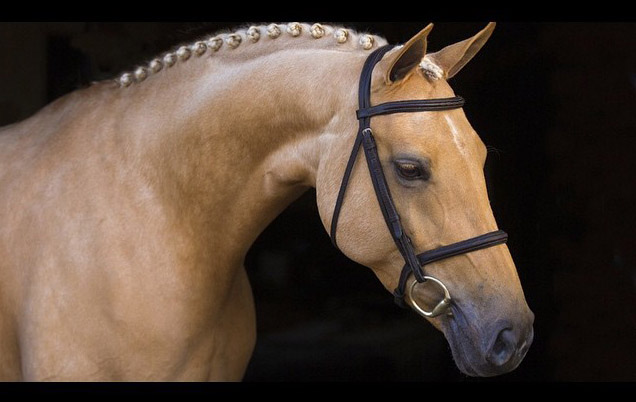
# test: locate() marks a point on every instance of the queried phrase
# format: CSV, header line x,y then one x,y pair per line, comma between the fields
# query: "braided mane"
x,y
229,41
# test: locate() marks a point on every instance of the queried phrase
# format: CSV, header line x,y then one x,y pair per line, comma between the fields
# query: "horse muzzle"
x,y
490,350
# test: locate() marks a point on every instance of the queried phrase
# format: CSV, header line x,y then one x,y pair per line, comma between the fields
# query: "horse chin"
x,y
466,357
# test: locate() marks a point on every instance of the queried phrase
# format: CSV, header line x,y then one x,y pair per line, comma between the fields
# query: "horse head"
x,y
432,161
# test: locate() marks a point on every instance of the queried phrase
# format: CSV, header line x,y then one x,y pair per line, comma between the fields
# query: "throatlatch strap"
x,y
363,102
343,188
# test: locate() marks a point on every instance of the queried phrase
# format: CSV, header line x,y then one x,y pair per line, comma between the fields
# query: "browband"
x,y
410,106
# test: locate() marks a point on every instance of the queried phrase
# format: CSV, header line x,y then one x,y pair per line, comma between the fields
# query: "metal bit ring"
x,y
443,307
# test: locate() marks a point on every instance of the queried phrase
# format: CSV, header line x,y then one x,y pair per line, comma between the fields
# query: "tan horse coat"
x,y
126,210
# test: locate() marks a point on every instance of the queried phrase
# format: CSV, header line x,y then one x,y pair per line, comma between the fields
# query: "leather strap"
x,y
343,188
452,250
383,194
364,102
411,106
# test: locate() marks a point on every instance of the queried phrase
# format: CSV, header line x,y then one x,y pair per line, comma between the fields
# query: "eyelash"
x,y
417,171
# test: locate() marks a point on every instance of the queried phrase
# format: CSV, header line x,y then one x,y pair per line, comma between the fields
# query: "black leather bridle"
x,y
413,263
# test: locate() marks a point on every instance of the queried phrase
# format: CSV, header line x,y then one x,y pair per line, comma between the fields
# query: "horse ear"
x,y
453,58
408,56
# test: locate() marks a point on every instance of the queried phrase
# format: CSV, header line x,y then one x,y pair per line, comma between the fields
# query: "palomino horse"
x,y
127,208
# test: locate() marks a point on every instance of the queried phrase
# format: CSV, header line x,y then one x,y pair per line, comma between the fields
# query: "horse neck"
x,y
227,145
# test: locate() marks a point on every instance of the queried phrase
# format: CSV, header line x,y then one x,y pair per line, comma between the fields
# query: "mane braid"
x,y
230,40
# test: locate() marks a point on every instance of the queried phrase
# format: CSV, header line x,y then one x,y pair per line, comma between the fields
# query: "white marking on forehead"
x,y
461,146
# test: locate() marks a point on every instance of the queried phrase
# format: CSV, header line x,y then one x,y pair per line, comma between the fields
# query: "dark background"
x,y
558,103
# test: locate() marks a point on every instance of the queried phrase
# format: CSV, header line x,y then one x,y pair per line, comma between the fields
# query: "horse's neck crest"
x,y
234,40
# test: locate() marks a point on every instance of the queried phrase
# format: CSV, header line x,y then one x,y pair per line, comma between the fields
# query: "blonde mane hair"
x,y
229,41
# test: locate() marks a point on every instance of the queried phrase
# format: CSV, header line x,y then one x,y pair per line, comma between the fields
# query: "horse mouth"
x,y
486,352
467,367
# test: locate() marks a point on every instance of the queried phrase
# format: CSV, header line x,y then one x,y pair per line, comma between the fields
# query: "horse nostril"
x,y
503,349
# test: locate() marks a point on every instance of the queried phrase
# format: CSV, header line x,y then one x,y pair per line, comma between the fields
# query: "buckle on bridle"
x,y
443,307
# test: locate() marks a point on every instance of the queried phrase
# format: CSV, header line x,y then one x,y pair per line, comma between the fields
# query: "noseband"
x,y
413,263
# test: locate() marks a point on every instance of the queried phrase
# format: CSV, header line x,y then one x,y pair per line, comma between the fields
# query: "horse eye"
x,y
410,170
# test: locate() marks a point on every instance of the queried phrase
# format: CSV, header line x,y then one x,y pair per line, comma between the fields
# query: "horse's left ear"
x,y
404,60
453,58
